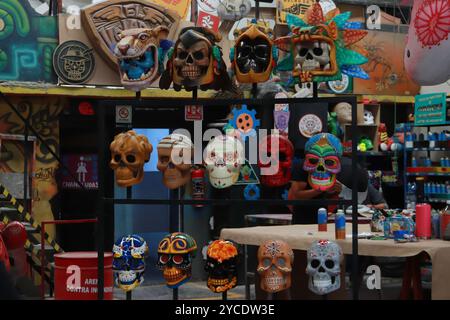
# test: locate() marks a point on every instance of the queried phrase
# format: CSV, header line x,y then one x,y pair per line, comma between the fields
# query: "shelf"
x,y
379,153
426,149
425,174
440,196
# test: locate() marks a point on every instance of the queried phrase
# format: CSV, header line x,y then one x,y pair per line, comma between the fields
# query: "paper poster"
x,y
208,20
180,6
296,7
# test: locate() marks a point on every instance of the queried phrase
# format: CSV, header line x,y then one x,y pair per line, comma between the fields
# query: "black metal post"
x,y
175,294
257,9
355,278
129,192
100,201
129,295
224,295
25,167
315,90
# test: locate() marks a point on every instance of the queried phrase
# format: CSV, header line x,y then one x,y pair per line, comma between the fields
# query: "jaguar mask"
x,y
323,153
141,54
175,254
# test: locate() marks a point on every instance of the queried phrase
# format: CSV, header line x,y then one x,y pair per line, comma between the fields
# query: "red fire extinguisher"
x,y
198,185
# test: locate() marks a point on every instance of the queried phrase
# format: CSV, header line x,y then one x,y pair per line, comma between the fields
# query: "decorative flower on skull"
x,y
129,153
129,261
275,260
323,267
322,160
221,264
175,254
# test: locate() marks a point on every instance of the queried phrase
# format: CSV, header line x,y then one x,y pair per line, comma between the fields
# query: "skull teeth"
x,y
191,72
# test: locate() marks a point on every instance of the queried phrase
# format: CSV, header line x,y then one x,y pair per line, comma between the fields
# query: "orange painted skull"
x,y
129,153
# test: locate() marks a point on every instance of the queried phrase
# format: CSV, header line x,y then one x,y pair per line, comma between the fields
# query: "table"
x,y
300,237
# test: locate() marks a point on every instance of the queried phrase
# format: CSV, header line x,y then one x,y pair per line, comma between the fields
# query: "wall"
x,y
43,113
27,42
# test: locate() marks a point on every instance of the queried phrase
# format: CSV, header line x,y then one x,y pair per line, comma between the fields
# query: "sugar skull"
x,y
324,270
322,160
221,265
196,61
224,156
368,117
279,152
275,260
253,55
175,254
175,160
129,261
129,153
141,56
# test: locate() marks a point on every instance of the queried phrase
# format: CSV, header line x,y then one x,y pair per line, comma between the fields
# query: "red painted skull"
x,y
275,160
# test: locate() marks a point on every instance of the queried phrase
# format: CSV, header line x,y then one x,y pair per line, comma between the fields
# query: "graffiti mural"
x,y
27,42
42,113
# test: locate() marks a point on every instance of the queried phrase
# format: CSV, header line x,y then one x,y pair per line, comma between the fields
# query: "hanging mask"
x,y
221,264
141,56
175,160
175,254
324,269
323,153
129,261
224,158
320,47
129,153
196,61
253,56
275,260
279,151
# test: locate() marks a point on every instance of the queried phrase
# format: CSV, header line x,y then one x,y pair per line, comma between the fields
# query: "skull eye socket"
x,y
329,264
164,258
198,55
182,55
303,52
117,158
330,162
131,158
315,263
164,159
266,262
318,51
261,51
313,161
281,262
177,259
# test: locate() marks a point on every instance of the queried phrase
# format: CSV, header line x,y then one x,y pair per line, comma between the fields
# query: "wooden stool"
x,y
412,282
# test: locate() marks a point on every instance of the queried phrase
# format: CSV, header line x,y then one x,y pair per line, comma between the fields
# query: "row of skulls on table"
x,y
318,48
224,156
176,252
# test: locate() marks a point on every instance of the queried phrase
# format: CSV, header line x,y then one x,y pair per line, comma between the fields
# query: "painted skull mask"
x,y
140,56
252,56
323,153
129,153
221,265
324,270
224,156
175,160
279,152
275,260
175,254
196,62
129,261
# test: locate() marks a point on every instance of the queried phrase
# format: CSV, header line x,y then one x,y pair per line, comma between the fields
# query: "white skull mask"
x,y
224,156
368,117
323,267
313,56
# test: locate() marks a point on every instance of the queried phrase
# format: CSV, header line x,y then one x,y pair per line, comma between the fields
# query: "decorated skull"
x,y
129,153
175,254
322,160
313,56
140,52
275,260
279,152
129,261
175,160
324,258
368,117
224,156
196,61
221,264
252,56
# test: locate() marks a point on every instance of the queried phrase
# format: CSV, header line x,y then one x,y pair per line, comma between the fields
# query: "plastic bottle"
x,y
322,219
414,162
340,225
442,162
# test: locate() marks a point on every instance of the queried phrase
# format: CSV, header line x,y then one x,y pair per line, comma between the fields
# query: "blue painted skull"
x,y
129,261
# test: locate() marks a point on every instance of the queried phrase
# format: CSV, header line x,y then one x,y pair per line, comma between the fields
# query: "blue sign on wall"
x,y
430,109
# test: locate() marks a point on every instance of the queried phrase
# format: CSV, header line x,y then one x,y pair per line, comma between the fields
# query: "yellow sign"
x,y
180,6
295,7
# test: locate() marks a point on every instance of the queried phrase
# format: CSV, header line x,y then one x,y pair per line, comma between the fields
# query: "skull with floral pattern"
x,y
322,160
129,261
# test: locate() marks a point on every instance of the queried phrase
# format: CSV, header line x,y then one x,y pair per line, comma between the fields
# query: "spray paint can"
x,y
322,219
198,185
436,224
340,225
